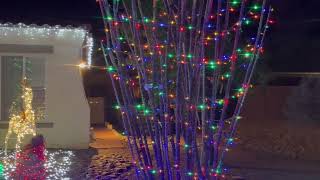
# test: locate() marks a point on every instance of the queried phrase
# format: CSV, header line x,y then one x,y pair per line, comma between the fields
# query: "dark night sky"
x,y
292,45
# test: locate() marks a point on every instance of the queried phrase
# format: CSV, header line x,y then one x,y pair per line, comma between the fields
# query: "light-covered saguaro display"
x,y
180,70
22,122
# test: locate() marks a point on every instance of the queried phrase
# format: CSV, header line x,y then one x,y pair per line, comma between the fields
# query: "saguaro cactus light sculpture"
x,y
22,123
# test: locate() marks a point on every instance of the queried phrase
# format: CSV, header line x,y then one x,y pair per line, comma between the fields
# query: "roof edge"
x,y
22,25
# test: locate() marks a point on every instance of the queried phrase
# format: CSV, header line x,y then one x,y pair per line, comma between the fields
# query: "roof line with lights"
x,y
36,31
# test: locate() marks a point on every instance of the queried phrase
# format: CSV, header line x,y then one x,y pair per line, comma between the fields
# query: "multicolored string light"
x,y
180,71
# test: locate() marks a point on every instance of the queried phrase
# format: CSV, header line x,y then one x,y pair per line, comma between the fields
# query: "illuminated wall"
x,y
66,123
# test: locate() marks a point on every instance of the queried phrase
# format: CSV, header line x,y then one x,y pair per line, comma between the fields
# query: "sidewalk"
x,y
249,165
113,160
106,139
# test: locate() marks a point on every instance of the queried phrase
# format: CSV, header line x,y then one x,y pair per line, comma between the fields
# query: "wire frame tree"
x,y
180,71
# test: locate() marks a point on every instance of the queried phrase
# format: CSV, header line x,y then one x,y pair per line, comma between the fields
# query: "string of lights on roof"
x,y
34,31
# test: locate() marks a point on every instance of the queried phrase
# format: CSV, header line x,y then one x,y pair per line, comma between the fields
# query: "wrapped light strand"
x,y
180,71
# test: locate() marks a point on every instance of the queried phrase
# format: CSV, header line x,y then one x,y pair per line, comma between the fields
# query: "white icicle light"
x,y
33,32
90,50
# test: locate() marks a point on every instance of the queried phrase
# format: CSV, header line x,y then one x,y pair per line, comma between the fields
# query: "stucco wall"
x,y
67,107
266,104
264,127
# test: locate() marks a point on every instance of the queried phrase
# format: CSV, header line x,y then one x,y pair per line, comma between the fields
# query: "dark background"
x,y
292,44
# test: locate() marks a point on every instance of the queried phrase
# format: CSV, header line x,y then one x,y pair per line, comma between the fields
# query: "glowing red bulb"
x,y
233,58
138,26
271,21
226,101
115,23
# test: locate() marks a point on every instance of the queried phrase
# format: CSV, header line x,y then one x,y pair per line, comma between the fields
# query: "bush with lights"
x,y
182,64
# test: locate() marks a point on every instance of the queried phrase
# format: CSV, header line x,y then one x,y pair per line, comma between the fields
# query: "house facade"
x,y
49,57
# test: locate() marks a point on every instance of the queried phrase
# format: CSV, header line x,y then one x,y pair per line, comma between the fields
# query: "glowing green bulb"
x,y
189,56
235,2
186,146
164,65
227,75
109,18
212,65
121,38
190,173
240,90
153,171
139,106
117,107
161,93
201,106
247,54
146,20
190,27
230,140
170,55
239,50
256,7
220,102
247,22
111,69
213,127
146,112
1,170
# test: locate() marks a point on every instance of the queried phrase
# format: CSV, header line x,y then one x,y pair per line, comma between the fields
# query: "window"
x,y
13,69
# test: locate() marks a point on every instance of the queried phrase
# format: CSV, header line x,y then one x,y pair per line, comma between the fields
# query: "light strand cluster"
x,y
180,71
57,165
45,31
22,121
89,46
